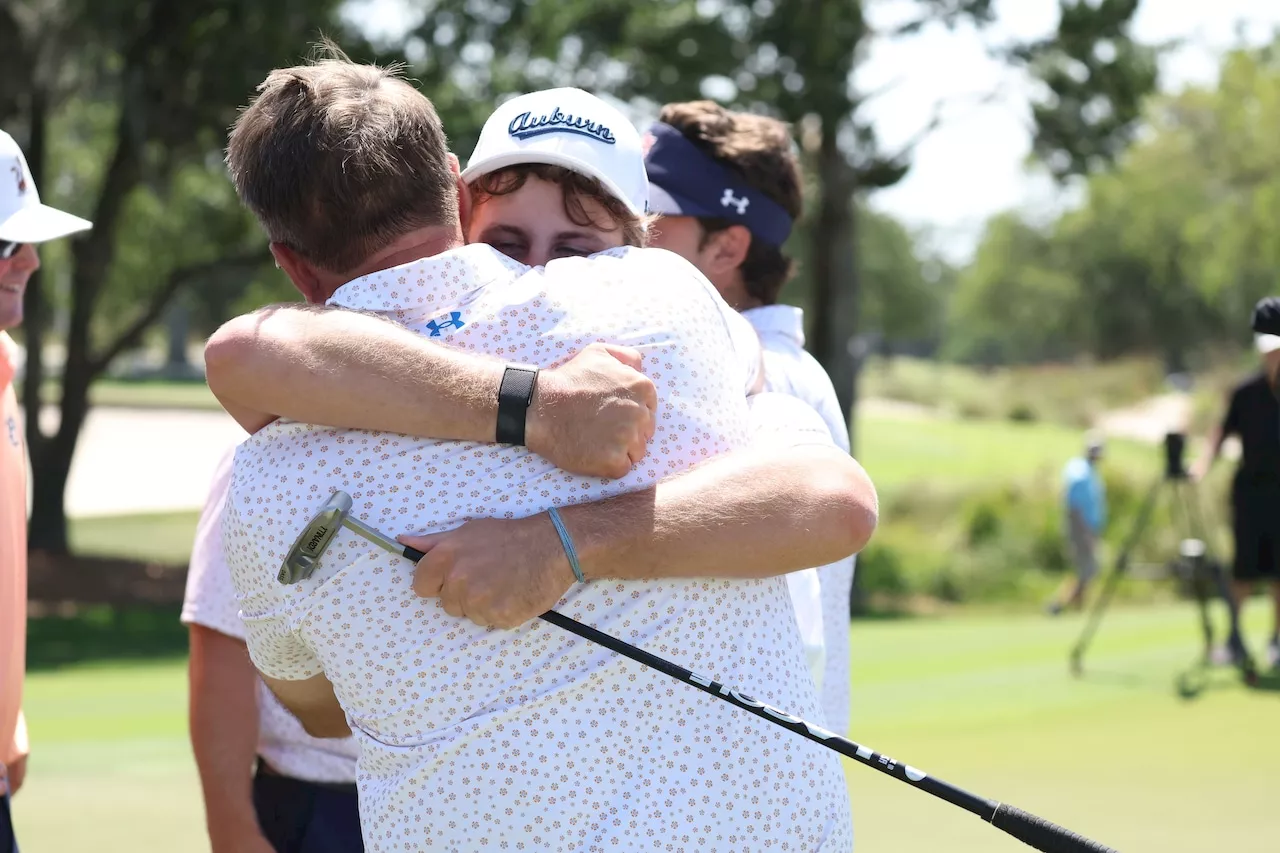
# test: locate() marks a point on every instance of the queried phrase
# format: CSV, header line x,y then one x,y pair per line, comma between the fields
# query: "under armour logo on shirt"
x,y
454,322
730,200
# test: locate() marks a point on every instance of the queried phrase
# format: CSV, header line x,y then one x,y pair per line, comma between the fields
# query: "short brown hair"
x,y
758,149
338,160
576,187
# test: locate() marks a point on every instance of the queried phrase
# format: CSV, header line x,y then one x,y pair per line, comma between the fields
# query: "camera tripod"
x,y
1195,565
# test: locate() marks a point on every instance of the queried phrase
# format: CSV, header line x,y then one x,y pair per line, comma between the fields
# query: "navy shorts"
x,y
8,839
1255,523
306,817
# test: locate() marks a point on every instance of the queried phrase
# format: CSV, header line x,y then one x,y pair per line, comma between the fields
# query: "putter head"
x,y
304,557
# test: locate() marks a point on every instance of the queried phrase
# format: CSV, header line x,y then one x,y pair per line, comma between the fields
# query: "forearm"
x,y
223,713
344,368
1213,447
755,513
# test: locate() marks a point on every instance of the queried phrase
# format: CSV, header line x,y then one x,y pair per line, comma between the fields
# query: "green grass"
x,y
143,394
902,451
1072,394
983,702
161,537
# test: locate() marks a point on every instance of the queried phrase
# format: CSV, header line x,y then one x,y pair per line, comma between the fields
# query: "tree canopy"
x,y
1168,251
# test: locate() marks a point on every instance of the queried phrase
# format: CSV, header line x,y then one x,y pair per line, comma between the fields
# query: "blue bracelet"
x,y
567,542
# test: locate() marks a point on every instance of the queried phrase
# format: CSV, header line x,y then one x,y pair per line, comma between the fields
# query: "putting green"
x,y
984,702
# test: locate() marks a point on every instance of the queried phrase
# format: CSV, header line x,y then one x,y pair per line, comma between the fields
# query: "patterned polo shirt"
x,y
474,738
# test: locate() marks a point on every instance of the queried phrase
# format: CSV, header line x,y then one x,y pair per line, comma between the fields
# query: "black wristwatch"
x,y
514,396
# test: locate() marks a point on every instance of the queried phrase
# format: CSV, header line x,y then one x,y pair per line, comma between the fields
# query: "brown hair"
x,y
338,160
758,149
576,188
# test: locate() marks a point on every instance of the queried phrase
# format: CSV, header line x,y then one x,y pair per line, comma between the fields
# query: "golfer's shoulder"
x,y
783,420
1076,471
655,275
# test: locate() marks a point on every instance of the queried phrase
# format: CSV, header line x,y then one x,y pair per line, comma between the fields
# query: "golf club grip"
x,y
412,553
1041,834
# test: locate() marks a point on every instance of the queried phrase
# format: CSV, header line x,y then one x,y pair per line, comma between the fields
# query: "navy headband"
x,y
686,181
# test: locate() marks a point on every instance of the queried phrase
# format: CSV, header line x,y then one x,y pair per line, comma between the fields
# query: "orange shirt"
x,y
13,563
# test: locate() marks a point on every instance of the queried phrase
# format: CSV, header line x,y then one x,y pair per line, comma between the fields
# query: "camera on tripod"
x,y
1194,567
1175,443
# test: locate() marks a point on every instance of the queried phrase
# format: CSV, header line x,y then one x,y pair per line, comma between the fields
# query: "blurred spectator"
x,y
1085,502
1253,416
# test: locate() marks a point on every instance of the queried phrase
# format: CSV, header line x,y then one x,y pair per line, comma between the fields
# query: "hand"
x,y
495,572
17,772
594,414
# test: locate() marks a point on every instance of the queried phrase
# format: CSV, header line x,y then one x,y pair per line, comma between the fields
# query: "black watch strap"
x,y
514,396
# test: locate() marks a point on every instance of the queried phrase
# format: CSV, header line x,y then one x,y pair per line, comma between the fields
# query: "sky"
x,y
974,165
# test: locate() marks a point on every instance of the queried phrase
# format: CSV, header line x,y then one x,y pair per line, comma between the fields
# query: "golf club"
x,y
303,559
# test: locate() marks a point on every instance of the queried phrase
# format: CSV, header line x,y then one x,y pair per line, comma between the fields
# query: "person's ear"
x,y
304,276
466,206
725,250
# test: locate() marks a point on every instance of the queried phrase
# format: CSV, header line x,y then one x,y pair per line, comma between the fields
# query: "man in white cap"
x,y
24,222
1253,416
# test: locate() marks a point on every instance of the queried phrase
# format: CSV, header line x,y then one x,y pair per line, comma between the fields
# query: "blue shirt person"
x,y
1084,497
1085,492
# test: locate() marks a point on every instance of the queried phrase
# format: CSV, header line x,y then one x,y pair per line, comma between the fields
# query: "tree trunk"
x,y
835,278
177,327
90,261
47,530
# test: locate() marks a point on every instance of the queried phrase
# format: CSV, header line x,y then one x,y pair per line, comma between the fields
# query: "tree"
x,y
794,59
1169,250
123,107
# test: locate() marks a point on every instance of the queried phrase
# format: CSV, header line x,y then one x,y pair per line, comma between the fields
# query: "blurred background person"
x,y
1084,498
24,222
1253,416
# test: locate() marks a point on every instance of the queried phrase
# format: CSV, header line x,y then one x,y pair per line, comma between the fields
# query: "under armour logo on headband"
x,y
729,200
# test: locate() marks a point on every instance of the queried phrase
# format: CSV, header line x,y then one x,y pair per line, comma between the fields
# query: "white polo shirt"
x,y
790,369
210,601
479,739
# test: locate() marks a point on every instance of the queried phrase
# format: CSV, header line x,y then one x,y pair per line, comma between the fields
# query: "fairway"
x,y
899,451
983,702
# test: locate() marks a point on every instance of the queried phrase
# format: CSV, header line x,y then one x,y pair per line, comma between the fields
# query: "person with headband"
x,y
728,189
430,728
1253,416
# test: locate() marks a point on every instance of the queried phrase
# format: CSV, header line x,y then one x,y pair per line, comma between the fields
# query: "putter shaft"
x,y
381,539
1027,828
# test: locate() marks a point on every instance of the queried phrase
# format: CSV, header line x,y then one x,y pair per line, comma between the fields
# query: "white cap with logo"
x,y
569,128
23,218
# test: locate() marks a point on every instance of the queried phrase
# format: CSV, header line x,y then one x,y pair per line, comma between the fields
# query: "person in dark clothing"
x,y
1253,416
1266,331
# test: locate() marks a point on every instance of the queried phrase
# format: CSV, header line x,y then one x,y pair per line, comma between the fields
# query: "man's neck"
x,y
734,292
414,246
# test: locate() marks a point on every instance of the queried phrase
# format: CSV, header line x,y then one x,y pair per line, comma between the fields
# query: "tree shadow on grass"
x,y
72,635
